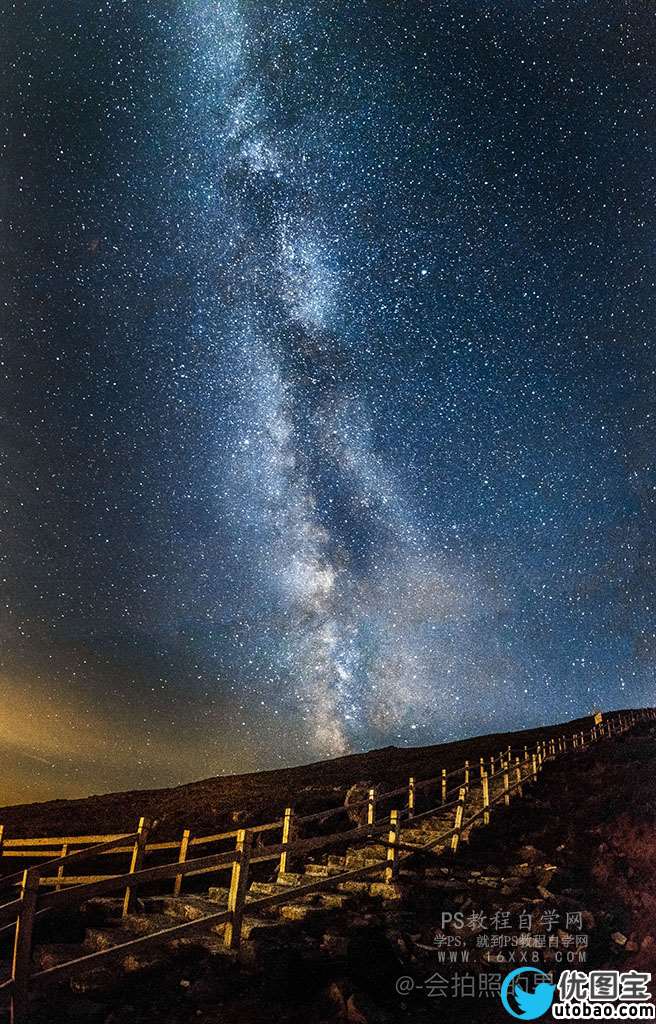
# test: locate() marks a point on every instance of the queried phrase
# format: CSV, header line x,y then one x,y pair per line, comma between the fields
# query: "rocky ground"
x,y
570,867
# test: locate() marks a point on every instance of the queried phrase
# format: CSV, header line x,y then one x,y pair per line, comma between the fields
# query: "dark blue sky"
x,y
328,369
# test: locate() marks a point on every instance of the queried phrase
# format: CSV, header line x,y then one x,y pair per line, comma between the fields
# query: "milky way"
x,y
327,407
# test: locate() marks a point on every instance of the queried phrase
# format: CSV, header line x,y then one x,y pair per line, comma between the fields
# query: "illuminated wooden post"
x,y
2,836
444,785
138,852
534,764
485,786
492,766
392,867
238,889
466,776
506,785
518,777
287,823
21,966
371,806
182,856
460,811
525,752
60,869
411,796
482,767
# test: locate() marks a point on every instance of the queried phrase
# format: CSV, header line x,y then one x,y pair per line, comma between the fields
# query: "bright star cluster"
x,y
327,379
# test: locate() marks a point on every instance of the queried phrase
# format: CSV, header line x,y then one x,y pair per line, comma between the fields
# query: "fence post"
x,y
485,786
482,767
466,776
506,785
137,860
444,785
182,856
518,777
460,811
492,766
60,870
371,806
534,765
238,889
411,796
2,836
287,822
392,868
21,967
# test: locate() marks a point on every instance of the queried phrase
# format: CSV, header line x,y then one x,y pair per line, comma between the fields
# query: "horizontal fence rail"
x,y
492,782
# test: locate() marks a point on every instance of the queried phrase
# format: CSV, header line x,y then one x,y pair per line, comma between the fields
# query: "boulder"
x,y
356,794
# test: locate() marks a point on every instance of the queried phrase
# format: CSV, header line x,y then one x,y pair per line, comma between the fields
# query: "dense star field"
x,y
327,379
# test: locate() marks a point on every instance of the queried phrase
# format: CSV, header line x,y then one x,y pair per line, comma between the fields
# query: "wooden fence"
x,y
459,790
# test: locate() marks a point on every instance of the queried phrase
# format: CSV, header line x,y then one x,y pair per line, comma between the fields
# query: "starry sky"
x,y
327,379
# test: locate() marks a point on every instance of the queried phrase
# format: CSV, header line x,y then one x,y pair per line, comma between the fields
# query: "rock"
x,y
522,870
530,854
388,890
100,980
353,1014
335,945
208,988
358,794
85,1011
445,884
493,871
619,939
588,920
648,943
545,874
631,946
545,893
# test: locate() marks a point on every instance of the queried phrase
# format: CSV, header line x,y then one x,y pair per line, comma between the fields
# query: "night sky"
x,y
327,379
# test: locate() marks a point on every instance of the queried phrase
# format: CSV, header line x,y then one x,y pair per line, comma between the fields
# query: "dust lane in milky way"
x,y
327,353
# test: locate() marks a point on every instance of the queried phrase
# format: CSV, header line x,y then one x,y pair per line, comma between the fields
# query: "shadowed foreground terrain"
x,y
580,842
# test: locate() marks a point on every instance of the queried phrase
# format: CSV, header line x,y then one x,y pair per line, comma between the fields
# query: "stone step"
x,y
105,938
334,900
356,862
299,911
188,908
266,888
317,871
354,888
290,878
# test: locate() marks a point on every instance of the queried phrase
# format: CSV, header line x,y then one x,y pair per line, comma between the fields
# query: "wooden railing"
x,y
506,773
